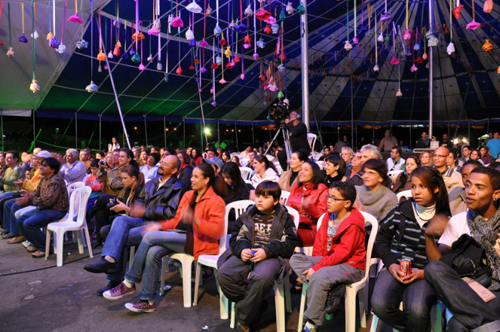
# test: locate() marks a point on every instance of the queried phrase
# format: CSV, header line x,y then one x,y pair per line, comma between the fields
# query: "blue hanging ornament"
x,y
136,58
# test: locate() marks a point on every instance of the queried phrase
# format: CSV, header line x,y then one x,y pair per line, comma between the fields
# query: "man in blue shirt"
x,y
494,146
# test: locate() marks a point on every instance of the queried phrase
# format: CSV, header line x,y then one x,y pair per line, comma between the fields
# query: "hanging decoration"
x,y
376,68
473,25
53,42
34,86
488,6
23,38
177,21
301,9
75,18
34,34
156,27
457,11
289,9
141,66
194,8
10,52
407,33
424,56
386,16
91,87
451,47
487,46
355,39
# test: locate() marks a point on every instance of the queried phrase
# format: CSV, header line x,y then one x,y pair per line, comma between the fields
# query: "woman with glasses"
x,y
402,236
374,196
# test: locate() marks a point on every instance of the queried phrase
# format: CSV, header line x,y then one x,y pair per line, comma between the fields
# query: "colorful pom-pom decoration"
x,y
34,86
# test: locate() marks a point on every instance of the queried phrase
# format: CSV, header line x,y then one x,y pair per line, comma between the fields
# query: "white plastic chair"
x,y
320,164
278,167
352,290
78,208
404,193
211,260
311,139
246,173
393,175
284,197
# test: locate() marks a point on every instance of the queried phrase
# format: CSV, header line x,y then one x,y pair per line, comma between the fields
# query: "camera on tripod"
x,y
278,112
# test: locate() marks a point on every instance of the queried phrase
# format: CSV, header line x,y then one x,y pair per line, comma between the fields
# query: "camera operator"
x,y
298,133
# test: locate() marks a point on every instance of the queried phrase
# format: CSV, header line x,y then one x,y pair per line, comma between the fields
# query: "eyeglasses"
x,y
335,199
359,157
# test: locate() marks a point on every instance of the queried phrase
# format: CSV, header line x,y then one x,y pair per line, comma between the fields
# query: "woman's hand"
x,y
119,207
396,272
151,227
259,255
189,217
415,274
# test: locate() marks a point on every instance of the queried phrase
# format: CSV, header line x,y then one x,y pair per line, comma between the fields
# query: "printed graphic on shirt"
x,y
263,224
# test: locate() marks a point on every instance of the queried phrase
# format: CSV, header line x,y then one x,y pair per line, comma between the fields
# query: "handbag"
x,y
468,258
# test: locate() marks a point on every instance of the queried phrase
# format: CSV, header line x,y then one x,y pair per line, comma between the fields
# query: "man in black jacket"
x,y
162,197
298,134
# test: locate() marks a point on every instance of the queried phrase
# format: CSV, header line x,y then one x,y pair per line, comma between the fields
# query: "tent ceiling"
x,y
338,78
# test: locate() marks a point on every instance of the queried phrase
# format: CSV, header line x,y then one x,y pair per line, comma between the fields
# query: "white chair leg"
x,y
233,316
362,305
302,306
87,239
350,311
279,299
197,283
186,281
47,244
374,325
79,239
288,296
60,244
164,269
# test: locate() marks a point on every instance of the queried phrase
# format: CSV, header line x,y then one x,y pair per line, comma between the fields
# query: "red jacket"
x,y
348,244
210,211
317,202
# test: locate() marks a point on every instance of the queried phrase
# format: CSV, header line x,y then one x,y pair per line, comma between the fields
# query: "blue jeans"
x,y
30,226
418,299
9,220
469,311
147,260
117,242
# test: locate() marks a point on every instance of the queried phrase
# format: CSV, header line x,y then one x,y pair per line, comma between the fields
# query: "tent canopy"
x,y
339,78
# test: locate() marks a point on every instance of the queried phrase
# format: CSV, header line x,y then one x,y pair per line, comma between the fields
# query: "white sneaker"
x,y
27,243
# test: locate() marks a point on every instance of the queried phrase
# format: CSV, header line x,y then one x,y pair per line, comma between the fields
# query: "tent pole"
x,y
253,137
145,129
100,128
305,65
218,132
236,132
468,130
34,133
352,113
356,137
3,148
165,134
76,131
431,68
184,132
409,143
116,98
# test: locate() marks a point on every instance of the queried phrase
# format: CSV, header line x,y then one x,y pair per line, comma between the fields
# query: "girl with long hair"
x,y
402,236
264,170
290,177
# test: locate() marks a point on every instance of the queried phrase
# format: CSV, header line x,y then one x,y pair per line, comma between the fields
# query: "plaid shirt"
x,y
51,194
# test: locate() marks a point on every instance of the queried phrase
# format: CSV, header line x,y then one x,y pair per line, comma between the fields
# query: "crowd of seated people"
x,y
175,203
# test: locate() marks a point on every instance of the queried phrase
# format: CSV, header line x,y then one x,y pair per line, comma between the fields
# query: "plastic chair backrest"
x,y
295,216
369,219
284,197
71,187
239,207
320,164
246,173
311,139
76,209
405,194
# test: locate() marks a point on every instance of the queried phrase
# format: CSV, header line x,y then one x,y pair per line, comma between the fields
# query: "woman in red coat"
x,y
193,230
309,198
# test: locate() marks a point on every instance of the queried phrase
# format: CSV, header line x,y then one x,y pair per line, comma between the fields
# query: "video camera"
x,y
278,112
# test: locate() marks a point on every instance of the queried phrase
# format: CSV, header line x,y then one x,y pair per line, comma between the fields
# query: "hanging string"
x,y
91,40
10,29
254,27
159,35
22,15
407,13
64,20
54,18
347,5
111,35
375,39
1,8
355,9
451,26
33,20
50,17
473,11
100,30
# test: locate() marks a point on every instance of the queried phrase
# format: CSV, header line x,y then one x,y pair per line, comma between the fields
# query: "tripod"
x,y
286,138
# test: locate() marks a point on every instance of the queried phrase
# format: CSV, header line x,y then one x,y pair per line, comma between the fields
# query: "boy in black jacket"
x,y
261,239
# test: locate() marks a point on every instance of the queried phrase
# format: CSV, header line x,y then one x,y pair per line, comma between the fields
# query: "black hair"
x,y
494,165
156,156
493,174
134,171
130,155
214,181
268,188
346,189
197,152
233,171
455,153
53,164
398,149
14,154
380,167
472,162
263,159
301,155
317,174
432,180
337,161
416,158
94,162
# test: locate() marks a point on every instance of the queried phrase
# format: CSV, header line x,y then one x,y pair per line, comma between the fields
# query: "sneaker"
x,y
141,306
109,286
103,266
309,327
27,244
118,292
333,298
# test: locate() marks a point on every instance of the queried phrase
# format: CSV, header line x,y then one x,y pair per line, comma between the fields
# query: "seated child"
x,y
339,255
93,182
261,239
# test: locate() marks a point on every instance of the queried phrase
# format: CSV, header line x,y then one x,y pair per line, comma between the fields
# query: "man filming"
x,y
298,133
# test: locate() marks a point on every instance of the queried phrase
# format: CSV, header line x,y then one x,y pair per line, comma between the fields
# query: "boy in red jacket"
x,y
339,255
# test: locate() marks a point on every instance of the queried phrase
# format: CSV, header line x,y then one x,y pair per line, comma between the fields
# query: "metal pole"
x,y
431,68
165,133
253,137
201,137
356,137
352,110
468,130
3,148
100,118
76,131
236,132
145,129
305,65
409,143
34,133
218,132
184,131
